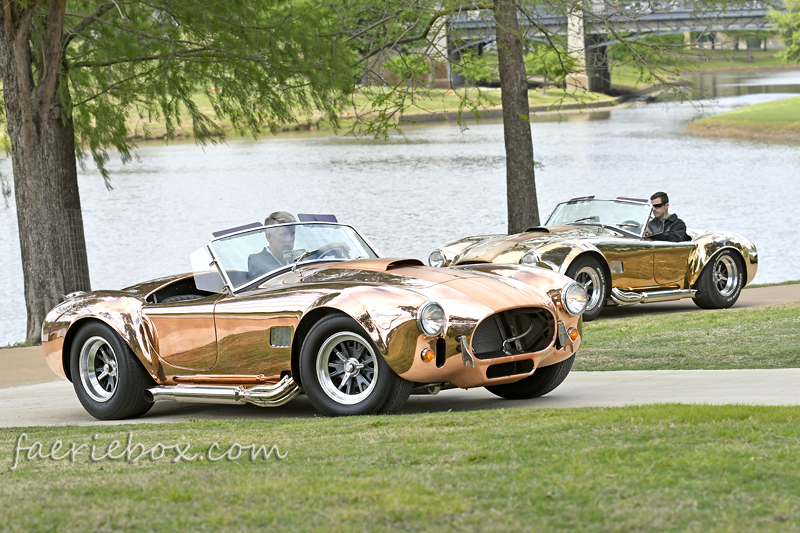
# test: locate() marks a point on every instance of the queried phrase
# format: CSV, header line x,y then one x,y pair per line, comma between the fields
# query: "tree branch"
x,y
424,35
82,25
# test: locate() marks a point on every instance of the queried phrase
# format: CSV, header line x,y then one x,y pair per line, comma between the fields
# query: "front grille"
x,y
537,325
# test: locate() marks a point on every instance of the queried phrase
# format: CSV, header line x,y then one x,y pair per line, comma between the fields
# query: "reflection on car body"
x,y
601,244
356,331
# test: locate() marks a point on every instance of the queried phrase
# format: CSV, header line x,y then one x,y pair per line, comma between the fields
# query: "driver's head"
x,y
280,239
660,203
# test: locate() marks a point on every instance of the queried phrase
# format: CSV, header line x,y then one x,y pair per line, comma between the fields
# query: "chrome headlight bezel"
x,y
437,259
424,318
574,299
530,258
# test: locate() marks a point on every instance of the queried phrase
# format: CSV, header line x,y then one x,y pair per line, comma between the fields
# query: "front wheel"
x,y
721,282
344,374
542,381
108,379
588,272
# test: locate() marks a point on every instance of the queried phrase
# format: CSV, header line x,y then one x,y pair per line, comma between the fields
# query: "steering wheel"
x,y
334,253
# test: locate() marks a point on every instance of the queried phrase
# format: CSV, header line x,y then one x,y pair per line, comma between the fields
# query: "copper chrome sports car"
x,y
601,244
357,332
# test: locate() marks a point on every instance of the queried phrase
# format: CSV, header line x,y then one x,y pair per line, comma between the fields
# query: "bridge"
x,y
589,32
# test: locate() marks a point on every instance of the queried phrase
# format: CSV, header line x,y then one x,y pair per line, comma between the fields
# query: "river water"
x,y
431,185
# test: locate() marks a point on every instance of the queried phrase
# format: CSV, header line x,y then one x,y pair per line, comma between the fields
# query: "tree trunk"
x,y
523,210
45,173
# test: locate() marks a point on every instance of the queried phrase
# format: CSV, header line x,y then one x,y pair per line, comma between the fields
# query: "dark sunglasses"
x,y
656,206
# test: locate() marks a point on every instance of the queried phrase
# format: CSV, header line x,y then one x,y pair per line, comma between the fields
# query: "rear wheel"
x,y
543,380
344,374
108,379
588,272
721,282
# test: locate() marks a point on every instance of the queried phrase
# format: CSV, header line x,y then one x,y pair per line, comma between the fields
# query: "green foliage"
x,y
408,66
788,25
652,58
473,67
259,64
552,63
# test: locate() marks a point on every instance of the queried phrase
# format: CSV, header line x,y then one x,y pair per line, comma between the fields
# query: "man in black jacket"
x,y
665,227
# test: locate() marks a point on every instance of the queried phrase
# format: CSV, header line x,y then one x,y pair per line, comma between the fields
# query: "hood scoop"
x,y
381,264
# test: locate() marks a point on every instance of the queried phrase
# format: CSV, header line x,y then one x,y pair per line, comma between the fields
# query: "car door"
x,y
630,262
255,330
184,334
671,261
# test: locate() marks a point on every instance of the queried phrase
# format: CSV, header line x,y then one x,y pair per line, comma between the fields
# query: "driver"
x,y
665,227
281,244
279,240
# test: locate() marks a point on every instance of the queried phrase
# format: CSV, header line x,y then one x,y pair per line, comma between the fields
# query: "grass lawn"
x,y
649,468
764,337
776,121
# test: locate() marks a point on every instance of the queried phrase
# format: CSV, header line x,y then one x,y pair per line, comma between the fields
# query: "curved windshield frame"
x,y
628,217
245,258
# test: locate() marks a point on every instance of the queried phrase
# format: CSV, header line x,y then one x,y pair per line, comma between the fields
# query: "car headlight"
x,y
437,259
430,319
574,298
530,258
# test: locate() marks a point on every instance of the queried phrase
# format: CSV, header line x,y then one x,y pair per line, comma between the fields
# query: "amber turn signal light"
x,y
573,333
427,355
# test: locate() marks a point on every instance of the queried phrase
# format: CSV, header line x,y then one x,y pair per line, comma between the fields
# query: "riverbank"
x,y
777,121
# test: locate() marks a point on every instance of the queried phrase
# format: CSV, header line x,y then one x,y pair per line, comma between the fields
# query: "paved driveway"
x,y
55,403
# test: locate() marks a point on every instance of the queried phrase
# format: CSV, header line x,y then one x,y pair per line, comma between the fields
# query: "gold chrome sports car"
x,y
601,244
356,331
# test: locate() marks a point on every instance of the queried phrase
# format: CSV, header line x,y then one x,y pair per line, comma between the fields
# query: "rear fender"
x,y
709,245
119,311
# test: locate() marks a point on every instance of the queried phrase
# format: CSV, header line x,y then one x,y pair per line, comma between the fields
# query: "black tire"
x,y
114,395
721,281
587,271
544,380
378,391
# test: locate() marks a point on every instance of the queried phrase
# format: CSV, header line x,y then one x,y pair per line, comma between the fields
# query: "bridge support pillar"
x,y
576,46
591,57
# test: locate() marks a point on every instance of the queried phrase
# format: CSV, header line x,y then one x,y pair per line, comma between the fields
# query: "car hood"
x,y
483,289
401,273
488,250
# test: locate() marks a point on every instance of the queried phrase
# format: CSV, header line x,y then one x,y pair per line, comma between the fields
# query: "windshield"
x,y
629,216
250,255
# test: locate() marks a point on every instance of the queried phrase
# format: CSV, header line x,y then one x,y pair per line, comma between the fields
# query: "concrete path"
x,y
31,394
55,403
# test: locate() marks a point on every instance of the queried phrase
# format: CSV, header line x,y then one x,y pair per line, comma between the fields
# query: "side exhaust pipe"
x,y
260,395
629,298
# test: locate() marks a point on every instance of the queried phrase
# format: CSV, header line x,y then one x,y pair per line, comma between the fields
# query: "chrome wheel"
x,y
590,279
347,368
98,369
726,275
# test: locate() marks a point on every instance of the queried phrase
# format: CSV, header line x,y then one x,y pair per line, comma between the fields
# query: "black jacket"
x,y
672,229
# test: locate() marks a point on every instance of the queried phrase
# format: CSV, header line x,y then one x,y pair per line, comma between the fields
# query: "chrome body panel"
x,y
639,265
223,340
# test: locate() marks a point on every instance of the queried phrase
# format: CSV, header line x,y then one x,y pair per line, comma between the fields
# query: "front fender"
x,y
391,327
559,256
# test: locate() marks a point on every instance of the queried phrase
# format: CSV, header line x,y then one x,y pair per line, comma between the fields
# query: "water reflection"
x,y
429,186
